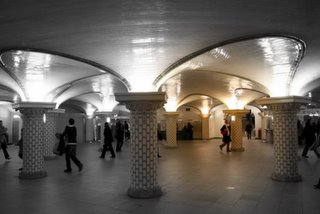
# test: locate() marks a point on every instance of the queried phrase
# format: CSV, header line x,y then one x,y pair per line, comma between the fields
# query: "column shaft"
x,y
49,133
171,128
49,136
205,127
33,132
144,160
285,144
284,111
236,128
89,129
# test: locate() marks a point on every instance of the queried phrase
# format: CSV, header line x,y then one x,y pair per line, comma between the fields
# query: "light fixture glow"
x,y
16,116
235,103
90,110
281,55
171,105
205,110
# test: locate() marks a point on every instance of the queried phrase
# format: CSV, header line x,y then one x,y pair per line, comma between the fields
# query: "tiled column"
x,y
144,160
263,125
205,126
49,133
89,129
284,111
33,131
236,128
171,128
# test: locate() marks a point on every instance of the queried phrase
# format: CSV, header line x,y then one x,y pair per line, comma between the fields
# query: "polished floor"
x,y
196,178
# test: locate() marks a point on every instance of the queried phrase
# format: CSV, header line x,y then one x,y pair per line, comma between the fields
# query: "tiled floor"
x,y
195,177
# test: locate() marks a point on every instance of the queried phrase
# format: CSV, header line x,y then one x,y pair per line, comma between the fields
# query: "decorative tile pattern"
x,y
236,134
49,135
236,128
33,130
285,142
144,163
171,128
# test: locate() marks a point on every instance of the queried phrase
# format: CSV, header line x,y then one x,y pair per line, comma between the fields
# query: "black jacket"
x,y
70,134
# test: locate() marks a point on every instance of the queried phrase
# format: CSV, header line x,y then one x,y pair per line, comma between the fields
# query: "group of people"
x,y
121,133
68,142
70,134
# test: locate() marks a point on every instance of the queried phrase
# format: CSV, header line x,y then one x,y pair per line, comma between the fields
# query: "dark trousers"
x,y
71,155
4,150
306,149
225,143
119,145
249,135
107,146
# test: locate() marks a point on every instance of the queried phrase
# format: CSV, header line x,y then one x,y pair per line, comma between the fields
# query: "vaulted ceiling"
x,y
201,53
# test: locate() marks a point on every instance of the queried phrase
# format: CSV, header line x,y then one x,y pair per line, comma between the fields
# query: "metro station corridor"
x,y
196,178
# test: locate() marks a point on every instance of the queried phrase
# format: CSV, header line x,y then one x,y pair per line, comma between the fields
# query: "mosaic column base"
x,y
141,193
32,175
285,178
241,149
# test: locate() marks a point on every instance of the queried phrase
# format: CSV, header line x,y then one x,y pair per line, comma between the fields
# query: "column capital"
x,y
205,115
288,103
171,114
57,111
33,107
236,111
103,113
142,100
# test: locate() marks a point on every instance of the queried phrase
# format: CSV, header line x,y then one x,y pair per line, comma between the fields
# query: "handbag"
x,y
55,148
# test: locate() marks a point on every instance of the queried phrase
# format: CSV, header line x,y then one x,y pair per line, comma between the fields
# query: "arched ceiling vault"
x,y
244,70
64,51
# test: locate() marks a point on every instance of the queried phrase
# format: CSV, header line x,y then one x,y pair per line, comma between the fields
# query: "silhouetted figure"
x,y
248,130
309,134
160,138
226,135
300,132
119,135
70,134
190,131
4,140
317,186
20,145
108,139
126,131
